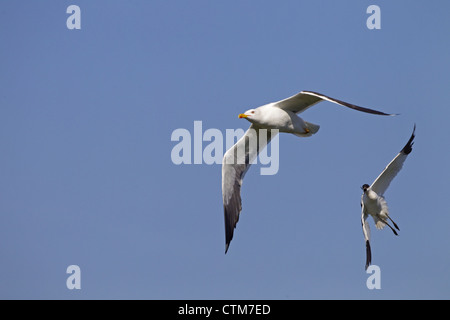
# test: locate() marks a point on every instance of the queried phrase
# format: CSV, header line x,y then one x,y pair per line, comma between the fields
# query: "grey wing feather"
x,y
366,232
236,162
383,181
298,102
306,99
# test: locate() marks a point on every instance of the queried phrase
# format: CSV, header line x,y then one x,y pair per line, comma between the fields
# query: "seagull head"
x,y
365,187
251,115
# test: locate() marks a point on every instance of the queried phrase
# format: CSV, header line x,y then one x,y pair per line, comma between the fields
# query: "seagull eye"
x,y
252,112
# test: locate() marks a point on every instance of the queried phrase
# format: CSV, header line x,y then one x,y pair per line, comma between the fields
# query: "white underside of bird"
x,y
376,206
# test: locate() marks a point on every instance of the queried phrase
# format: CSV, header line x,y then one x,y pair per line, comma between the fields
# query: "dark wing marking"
x,y
306,99
368,254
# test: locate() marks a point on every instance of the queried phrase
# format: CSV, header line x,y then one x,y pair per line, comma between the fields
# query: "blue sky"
x,y
86,118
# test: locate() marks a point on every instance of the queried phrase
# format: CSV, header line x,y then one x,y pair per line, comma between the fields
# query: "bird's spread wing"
x,y
382,182
366,231
305,99
236,162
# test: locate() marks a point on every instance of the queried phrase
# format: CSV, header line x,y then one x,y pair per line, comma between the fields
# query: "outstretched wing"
x,y
305,99
366,231
236,162
383,181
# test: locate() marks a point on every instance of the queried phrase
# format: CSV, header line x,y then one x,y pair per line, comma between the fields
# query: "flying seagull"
x,y
281,115
373,202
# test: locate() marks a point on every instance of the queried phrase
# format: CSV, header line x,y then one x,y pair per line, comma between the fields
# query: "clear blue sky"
x,y
86,176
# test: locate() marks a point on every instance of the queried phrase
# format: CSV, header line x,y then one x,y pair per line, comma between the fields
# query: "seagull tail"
x,y
313,128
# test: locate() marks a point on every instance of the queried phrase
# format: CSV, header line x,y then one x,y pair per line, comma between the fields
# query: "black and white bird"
x,y
373,202
282,116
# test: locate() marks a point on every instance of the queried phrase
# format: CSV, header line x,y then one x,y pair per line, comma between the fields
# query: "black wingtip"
x,y
408,147
368,254
229,229
348,105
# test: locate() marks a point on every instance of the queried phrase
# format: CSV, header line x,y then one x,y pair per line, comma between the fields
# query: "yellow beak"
x,y
242,116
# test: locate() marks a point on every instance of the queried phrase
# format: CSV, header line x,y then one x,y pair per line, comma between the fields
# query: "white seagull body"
x,y
373,202
282,116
